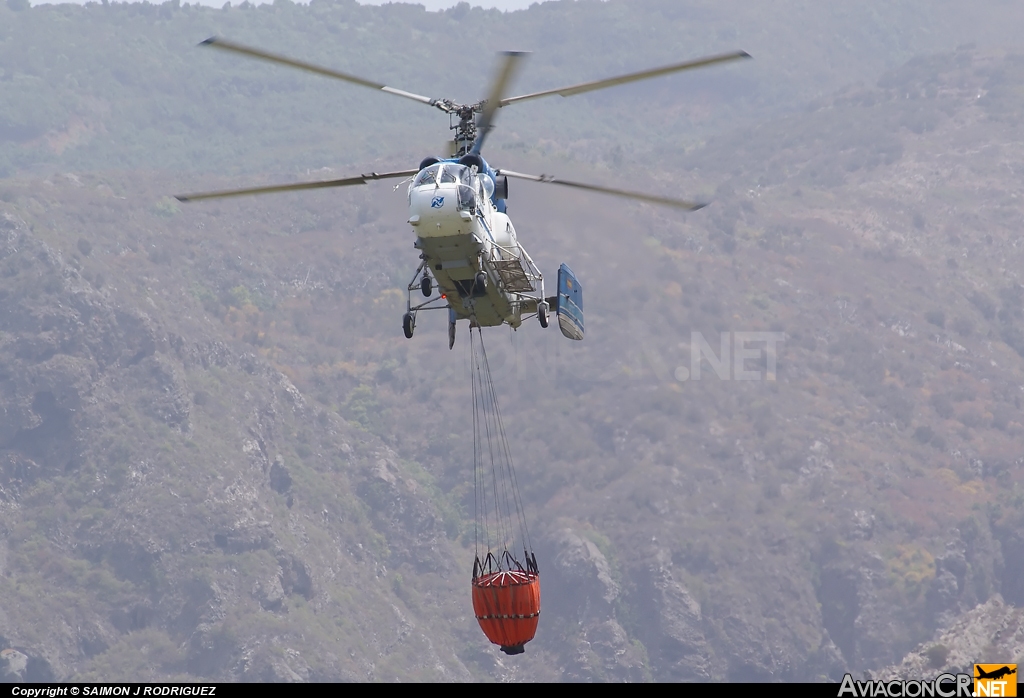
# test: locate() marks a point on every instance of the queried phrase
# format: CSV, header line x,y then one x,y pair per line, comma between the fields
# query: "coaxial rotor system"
x,y
472,123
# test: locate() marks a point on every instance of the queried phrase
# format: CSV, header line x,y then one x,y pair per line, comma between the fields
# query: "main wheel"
x,y
426,285
542,314
479,283
408,325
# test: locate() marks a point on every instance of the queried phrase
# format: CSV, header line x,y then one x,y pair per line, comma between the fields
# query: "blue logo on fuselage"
x,y
437,202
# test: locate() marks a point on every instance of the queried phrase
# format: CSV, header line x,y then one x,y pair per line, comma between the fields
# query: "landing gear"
x,y
542,314
422,282
479,283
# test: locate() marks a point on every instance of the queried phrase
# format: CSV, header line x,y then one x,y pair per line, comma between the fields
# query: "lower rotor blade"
x,y
650,198
300,186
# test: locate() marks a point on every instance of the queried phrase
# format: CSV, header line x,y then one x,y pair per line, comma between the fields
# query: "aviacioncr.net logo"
x,y
942,686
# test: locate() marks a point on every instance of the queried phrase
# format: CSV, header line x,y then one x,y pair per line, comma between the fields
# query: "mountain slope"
x,y
221,460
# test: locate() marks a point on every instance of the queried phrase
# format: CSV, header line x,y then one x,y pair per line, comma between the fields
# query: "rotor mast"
x,y
465,128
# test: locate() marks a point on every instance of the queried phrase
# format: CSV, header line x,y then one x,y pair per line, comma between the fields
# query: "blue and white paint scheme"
x,y
469,246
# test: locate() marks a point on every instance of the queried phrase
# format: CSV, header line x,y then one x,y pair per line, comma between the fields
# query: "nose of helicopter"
x,y
437,210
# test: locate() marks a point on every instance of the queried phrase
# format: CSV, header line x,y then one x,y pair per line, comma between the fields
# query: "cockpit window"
x,y
427,176
467,198
454,172
449,173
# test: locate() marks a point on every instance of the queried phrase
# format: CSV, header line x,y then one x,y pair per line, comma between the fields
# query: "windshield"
x,y
449,173
427,175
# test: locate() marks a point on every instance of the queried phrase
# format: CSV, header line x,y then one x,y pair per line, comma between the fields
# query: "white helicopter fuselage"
x,y
470,247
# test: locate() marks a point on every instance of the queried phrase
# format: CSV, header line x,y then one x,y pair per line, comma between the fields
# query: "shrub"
x,y
936,317
937,656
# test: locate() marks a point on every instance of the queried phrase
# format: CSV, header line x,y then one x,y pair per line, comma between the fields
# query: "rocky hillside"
x,y
990,633
173,505
219,458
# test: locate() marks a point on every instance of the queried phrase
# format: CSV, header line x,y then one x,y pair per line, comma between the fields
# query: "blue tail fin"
x,y
570,304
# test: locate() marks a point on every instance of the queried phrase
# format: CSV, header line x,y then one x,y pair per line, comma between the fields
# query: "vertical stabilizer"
x,y
570,304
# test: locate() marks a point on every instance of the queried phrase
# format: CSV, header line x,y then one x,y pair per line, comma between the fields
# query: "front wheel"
x,y
426,285
542,314
408,325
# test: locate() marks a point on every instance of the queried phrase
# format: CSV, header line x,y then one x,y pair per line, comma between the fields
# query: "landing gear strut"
x,y
423,282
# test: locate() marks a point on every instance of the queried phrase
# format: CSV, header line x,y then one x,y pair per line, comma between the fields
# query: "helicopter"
x,y
471,261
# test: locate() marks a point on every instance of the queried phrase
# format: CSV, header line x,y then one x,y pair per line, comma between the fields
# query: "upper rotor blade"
x,y
622,79
349,181
548,179
226,45
502,79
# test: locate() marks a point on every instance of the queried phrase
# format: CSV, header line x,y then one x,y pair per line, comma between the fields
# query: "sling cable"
x,y
506,587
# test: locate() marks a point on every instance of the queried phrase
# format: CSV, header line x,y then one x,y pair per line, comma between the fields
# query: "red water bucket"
x,y
507,606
